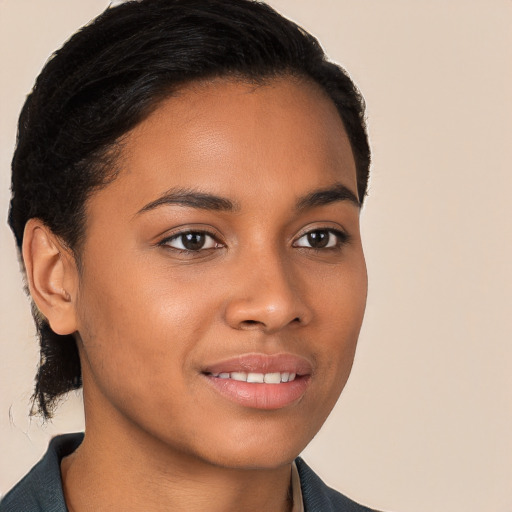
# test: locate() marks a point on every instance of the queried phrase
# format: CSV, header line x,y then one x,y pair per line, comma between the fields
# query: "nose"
x,y
268,296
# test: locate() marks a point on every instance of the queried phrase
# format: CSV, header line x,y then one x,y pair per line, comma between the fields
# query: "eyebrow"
x,y
192,199
204,201
325,196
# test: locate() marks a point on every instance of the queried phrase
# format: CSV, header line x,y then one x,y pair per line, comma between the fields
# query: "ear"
x,y
52,276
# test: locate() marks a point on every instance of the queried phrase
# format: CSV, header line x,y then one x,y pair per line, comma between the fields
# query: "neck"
x,y
125,469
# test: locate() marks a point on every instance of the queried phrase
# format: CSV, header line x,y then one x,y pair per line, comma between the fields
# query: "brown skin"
x,y
149,317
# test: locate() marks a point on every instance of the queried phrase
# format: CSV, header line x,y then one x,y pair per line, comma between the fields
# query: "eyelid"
x,y
343,237
184,230
341,234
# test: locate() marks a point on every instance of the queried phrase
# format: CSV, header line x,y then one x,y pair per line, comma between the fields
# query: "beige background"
x,y
425,422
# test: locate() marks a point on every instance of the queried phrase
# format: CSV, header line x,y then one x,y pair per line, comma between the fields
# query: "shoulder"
x,y
41,489
318,497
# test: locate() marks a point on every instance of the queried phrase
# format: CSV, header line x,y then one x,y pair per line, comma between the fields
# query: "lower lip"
x,y
261,396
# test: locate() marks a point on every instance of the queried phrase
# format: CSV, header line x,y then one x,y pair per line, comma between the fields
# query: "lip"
x,y
262,363
261,395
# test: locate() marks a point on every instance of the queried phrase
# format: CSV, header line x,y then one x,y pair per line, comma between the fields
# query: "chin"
x,y
255,459
262,447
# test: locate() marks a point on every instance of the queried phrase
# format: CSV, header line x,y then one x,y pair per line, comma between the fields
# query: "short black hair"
x,y
112,74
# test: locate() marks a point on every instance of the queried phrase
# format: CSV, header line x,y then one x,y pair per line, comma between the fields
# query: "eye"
x,y
191,241
322,239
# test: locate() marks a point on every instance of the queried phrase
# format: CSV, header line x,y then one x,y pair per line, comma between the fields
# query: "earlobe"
x,y
52,276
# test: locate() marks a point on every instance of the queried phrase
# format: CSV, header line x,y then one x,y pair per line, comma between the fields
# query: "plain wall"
x,y
425,422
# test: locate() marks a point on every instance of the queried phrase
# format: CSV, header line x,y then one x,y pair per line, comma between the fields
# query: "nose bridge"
x,y
267,293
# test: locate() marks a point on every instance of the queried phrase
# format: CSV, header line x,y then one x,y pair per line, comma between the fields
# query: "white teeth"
x,y
272,378
258,378
255,377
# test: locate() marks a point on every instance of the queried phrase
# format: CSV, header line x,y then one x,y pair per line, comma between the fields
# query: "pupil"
x,y
318,239
193,241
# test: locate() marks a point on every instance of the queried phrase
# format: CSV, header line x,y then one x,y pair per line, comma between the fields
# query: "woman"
x,y
186,195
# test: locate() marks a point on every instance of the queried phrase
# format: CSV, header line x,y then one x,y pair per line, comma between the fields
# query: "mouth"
x,y
258,378
261,381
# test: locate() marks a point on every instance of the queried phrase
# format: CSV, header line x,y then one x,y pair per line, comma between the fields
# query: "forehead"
x,y
234,138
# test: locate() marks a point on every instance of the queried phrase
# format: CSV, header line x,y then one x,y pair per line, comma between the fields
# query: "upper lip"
x,y
262,363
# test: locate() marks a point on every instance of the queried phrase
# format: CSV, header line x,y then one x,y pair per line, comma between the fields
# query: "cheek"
x,y
340,316
138,328
334,334
341,294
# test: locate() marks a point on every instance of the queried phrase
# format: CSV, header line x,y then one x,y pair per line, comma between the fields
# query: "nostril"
x,y
250,323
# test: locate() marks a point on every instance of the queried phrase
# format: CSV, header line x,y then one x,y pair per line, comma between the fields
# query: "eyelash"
x,y
341,237
202,232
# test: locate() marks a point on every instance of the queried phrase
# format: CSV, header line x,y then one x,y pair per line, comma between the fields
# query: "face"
x,y
223,283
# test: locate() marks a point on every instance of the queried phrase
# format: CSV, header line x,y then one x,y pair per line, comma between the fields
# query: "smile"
x,y
258,378
261,381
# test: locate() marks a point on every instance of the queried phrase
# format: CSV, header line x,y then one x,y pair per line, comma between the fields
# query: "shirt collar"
x,y
298,504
